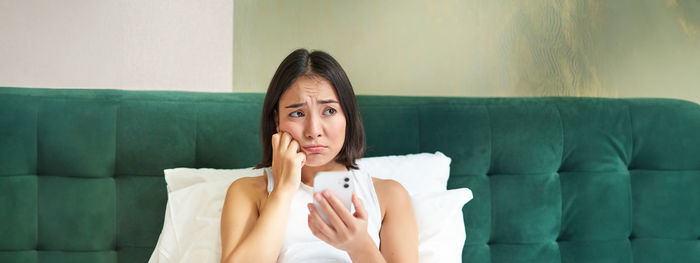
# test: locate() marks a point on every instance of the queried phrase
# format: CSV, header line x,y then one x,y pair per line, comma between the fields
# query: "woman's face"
x,y
310,111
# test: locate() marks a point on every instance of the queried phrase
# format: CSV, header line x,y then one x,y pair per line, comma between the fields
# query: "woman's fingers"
x,y
331,214
318,226
284,141
338,207
340,233
275,141
293,147
360,211
316,232
301,157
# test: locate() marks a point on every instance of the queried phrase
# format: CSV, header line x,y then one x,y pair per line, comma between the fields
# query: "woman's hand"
x,y
345,231
287,162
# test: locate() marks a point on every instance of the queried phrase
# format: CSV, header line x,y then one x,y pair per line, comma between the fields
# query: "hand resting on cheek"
x,y
287,159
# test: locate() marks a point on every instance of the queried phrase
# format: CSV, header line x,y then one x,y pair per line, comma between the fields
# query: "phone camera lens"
x,y
347,179
346,185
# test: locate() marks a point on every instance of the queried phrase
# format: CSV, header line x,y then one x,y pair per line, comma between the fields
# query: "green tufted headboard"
x,y
554,179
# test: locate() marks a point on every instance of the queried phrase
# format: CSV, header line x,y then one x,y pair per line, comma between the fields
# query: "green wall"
x,y
622,48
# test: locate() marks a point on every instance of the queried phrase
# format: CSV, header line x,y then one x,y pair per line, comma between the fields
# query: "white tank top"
x,y
300,245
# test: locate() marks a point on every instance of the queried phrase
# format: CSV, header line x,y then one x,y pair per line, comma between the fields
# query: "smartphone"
x,y
341,184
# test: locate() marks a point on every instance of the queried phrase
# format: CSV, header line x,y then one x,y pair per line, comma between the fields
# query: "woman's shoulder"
x,y
388,187
389,193
254,188
252,182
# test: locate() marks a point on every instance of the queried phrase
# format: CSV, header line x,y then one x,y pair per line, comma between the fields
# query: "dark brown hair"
x,y
317,63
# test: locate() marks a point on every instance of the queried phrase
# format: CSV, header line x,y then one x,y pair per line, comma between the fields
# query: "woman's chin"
x,y
311,164
314,161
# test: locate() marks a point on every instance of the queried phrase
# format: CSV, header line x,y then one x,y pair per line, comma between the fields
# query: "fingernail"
x,y
310,206
317,197
326,194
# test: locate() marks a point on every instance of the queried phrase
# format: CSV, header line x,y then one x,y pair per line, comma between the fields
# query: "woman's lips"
x,y
315,148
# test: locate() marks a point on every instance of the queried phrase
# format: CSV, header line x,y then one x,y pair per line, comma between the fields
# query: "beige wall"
x,y
623,48
117,44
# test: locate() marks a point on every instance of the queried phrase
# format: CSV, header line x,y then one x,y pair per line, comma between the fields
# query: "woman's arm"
x,y
252,234
247,236
399,233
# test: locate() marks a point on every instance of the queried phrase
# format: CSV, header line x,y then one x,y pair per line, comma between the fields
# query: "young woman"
x,y
311,123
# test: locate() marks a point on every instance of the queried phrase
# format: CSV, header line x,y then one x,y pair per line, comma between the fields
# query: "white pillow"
x,y
441,233
418,173
191,229
179,178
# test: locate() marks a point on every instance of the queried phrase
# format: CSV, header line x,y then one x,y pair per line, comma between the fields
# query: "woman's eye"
x,y
296,114
329,111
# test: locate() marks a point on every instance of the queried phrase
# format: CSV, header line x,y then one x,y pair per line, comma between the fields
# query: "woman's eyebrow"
x,y
328,101
304,103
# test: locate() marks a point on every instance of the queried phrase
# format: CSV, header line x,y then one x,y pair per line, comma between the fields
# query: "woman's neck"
x,y
308,173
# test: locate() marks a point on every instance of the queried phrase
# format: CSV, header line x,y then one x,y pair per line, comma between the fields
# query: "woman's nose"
x,y
313,128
